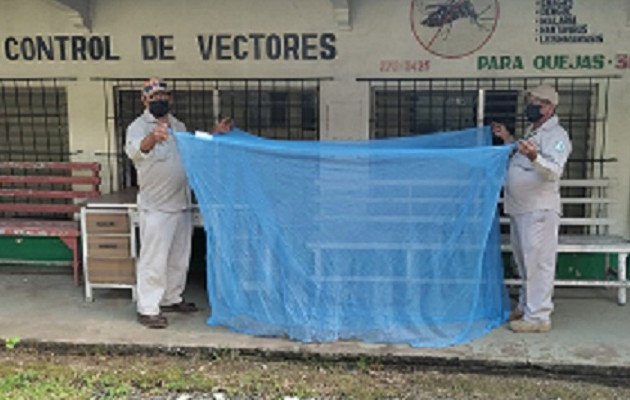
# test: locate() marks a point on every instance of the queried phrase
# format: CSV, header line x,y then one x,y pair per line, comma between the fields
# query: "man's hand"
x,y
160,133
223,126
157,135
528,149
499,130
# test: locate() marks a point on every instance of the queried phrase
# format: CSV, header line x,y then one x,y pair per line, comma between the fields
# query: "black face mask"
x,y
532,112
158,108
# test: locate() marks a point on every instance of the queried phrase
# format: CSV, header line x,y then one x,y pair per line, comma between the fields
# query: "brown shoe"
x,y
153,321
181,307
515,315
523,326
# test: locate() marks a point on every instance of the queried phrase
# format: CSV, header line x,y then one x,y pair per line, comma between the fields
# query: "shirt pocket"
x,y
161,152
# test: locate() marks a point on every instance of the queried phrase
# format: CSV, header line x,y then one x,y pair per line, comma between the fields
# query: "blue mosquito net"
x,y
389,240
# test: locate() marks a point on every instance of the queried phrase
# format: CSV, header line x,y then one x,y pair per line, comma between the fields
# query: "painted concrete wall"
x,y
385,39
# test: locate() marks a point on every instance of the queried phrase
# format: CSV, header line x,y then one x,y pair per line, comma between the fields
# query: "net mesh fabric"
x,y
389,241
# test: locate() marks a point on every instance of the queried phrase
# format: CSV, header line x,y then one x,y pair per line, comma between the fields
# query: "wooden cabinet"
x,y
109,227
109,249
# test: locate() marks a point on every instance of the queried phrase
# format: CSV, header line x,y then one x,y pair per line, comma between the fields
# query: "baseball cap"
x,y
153,86
545,92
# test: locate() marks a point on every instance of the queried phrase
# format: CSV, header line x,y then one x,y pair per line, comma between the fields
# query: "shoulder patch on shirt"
x,y
559,146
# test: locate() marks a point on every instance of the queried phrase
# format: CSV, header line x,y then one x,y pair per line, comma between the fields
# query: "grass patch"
x,y
28,374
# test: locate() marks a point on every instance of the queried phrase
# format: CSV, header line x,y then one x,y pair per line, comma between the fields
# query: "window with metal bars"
x,y
401,107
34,127
273,108
33,120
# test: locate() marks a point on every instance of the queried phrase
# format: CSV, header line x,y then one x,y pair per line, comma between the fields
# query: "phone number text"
x,y
405,65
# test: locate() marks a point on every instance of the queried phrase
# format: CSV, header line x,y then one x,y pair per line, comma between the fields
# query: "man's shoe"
x,y
515,315
181,307
523,326
153,321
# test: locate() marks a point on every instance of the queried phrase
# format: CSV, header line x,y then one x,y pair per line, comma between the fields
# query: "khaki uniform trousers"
x,y
534,239
162,269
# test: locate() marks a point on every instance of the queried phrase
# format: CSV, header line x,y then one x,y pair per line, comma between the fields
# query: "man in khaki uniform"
x,y
532,200
164,205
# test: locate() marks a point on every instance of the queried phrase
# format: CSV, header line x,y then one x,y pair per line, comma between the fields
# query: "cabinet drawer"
x,y
108,246
107,223
112,270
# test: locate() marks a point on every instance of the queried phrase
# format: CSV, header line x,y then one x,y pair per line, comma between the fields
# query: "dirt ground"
x,y
27,373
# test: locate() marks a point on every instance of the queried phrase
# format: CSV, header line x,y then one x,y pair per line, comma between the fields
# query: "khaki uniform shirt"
x,y
535,185
161,176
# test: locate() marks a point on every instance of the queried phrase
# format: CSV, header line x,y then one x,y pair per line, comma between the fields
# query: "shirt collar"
x,y
548,125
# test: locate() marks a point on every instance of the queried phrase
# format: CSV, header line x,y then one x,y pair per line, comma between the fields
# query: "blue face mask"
x,y
532,112
158,108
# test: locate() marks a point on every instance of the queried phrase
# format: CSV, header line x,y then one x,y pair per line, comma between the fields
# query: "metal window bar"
x,y
34,119
407,106
34,127
285,108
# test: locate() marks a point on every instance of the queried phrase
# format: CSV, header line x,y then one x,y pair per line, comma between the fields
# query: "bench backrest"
x,y
46,187
585,203
585,206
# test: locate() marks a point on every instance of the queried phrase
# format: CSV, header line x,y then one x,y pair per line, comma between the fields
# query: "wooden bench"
x,y
592,231
353,201
41,199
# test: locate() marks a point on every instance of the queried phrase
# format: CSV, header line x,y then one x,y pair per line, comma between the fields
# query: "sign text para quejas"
x,y
544,62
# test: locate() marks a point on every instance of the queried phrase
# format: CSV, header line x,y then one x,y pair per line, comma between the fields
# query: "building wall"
x,y
381,39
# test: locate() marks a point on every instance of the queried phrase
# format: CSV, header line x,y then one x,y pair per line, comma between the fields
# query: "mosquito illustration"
x,y
440,15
